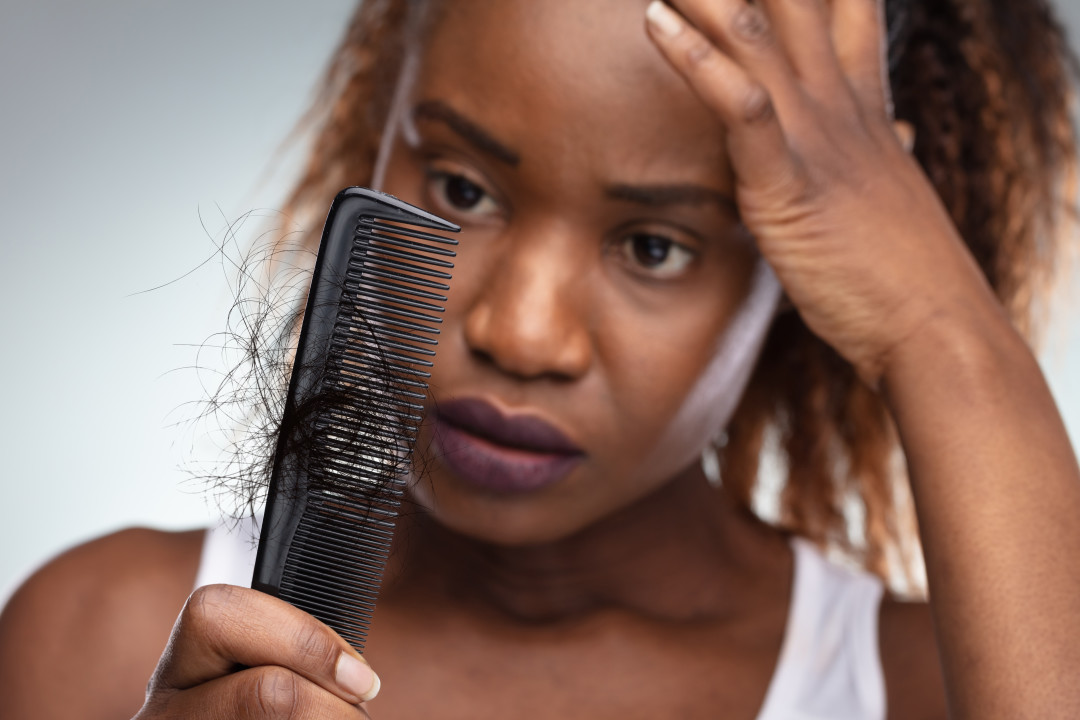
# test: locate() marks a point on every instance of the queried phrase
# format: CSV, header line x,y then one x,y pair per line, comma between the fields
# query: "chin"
x,y
518,520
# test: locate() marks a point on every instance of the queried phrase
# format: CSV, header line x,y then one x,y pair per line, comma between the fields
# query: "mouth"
x,y
501,453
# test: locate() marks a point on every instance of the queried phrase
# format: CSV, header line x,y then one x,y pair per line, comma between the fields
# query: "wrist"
x,y
968,347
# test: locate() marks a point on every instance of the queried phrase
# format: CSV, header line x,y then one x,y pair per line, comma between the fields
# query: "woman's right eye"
x,y
459,194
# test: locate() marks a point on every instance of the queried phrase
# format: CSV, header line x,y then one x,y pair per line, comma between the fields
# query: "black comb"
x,y
353,408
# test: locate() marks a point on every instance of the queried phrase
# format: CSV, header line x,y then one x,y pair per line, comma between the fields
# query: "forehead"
x,y
570,80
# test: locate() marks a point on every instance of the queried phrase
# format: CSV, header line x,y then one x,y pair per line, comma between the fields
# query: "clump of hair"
x,y
332,424
243,408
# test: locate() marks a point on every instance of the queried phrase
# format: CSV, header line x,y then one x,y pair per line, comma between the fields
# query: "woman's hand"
x,y
853,228
237,653
873,263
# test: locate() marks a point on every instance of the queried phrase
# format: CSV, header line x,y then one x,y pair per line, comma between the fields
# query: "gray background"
x,y
122,122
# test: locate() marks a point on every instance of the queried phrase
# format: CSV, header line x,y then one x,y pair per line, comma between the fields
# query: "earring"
x,y
710,460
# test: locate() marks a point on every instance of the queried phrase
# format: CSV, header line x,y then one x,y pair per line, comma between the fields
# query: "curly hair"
x,y
987,86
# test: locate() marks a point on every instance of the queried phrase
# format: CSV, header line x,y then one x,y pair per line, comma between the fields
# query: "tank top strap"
x,y
228,553
830,665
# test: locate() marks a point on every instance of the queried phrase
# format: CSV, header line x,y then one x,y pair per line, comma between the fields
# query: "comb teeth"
x,y
330,515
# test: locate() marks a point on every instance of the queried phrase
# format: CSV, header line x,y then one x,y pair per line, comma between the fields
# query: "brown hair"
x,y
986,85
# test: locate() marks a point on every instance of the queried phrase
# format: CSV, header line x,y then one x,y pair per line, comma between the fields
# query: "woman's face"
x,y
600,261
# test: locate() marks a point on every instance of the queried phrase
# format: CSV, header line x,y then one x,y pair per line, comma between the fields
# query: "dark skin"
x,y
652,596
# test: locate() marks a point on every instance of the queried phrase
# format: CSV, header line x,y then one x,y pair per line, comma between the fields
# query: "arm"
x,y
873,263
997,490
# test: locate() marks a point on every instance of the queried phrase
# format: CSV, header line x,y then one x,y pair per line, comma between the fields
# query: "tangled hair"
x,y
987,86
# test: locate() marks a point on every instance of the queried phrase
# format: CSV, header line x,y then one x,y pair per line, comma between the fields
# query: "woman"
x,y
634,195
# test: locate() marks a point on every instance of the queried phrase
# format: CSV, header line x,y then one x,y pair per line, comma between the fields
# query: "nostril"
x,y
482,356
529,345
526,323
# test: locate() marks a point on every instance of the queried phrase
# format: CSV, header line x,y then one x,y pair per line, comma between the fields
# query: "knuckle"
x,y
314,641
211,613
805,189
792,189
757,106
750,25
276,693
196,609
204,607
698,52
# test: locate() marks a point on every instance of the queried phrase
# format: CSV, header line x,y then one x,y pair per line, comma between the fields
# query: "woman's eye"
x,y
459,193
660,256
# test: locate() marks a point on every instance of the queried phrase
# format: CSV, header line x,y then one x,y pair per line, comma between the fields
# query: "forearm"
x,y
997,491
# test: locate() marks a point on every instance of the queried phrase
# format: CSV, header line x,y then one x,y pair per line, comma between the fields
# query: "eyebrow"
x,y
648,195
676,194
478,137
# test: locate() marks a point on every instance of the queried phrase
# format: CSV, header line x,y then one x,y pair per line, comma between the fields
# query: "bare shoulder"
x,y
85,632
909,656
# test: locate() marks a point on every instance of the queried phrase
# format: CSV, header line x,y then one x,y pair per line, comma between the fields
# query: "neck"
x,y
687,551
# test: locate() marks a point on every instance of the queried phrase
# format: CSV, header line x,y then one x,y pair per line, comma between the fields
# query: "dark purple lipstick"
x,y
501,453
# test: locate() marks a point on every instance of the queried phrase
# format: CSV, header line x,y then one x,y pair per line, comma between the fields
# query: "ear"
x,y
905,133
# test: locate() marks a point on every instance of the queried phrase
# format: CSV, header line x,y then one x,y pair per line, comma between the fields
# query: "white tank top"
x,y
829,666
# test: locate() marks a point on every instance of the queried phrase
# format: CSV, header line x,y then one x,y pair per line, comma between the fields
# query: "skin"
x,y
548,314
653,595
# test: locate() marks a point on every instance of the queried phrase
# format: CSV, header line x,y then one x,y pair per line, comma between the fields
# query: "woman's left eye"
x,y
459,194
660,256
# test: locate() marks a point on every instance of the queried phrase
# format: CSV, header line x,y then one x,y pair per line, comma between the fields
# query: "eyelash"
x,y
437,186
626,246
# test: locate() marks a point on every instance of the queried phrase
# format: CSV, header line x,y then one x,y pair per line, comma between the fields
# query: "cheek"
x,y
709,403
653,370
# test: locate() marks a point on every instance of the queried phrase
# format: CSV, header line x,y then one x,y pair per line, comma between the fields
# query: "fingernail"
x,y
357,677
663,18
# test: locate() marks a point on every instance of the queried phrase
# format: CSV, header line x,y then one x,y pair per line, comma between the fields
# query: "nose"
x,y
528,320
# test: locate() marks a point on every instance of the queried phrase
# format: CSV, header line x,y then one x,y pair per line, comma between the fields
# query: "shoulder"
x,y
86,630
909,656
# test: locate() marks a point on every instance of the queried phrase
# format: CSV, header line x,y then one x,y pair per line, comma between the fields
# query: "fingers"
x,y
756,142
860,39
783,42
222,627
261,693
743,32
802,27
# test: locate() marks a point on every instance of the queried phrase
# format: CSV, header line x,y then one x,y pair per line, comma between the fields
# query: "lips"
x,y
501,453
524,432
